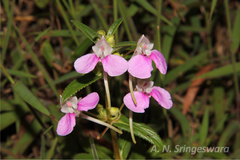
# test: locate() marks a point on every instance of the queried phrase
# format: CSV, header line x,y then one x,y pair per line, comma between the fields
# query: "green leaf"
x,y
125,44
83,156
45,32
228,132
9,26
52,149
125,144
204,127
214,2
94,151
140,130
48,53
27,96
27,138
182,120
114,27
235,33
86,30
218,103
174,73
41,3
79,84
221,71
20,73
38,63
152,10
216,129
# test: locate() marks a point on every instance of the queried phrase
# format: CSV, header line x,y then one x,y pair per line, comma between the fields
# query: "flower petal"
x,y
159,60
86,63
66,124
143,39
88,102
162,97
142,102
140,66
114,65
102,46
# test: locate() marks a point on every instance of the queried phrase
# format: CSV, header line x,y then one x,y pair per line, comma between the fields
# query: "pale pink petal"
x,y
162,96
86,63
66,124
88,102
102,48
114,65
142,102
143,39
159,60
140,66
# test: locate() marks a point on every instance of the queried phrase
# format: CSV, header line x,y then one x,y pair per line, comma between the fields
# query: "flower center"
x,y
144,46
102,48
69,104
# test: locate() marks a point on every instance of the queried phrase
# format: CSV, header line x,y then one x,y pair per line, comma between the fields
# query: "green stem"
x,y
115,144
131,89
236,85
131,126
7,74
105,78
100,122
113,133
115,14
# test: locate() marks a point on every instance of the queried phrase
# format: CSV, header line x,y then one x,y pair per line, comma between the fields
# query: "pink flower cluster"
x,y
73,107
139,66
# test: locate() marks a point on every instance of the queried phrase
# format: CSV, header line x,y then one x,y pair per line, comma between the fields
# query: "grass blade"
x,y
41,68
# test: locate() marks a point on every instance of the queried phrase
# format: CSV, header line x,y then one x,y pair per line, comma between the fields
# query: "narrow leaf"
x,y
94,150
214,2
51,152
79,84
173,74
114,27
182,120
125,44
235,33
140,130
229,131
204,127
86,30
27,96
221,71
124,145
20,73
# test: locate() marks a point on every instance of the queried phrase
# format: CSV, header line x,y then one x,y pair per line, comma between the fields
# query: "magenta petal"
x,y
162,96
159,60
114,65
140,66
88,102
86,63
142,102
66,124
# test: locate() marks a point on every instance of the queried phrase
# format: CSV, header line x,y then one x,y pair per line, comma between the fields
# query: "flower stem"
x,y
115,144
131,89
100,122
131,126
105,78
113,129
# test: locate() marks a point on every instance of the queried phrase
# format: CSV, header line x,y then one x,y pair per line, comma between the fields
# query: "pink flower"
x,y
145,90
72,108
140,65
114,65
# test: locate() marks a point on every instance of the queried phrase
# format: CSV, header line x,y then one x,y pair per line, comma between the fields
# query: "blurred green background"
x,y
199,39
